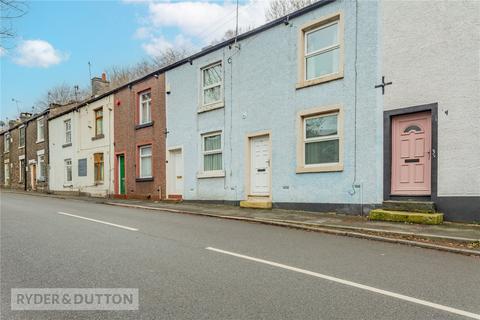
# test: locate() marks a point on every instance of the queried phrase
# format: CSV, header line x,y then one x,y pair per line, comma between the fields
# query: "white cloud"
x,y
3,52
38,53
206,20
157,45
201,22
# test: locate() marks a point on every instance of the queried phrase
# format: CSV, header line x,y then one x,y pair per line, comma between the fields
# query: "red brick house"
x,y
139,135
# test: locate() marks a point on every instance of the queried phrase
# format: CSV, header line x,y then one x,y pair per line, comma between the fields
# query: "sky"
x,y
56,40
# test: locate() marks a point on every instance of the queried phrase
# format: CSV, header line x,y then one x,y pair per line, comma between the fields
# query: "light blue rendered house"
x,y
285,116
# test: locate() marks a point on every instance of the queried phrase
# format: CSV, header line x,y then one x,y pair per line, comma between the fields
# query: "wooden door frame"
x,y
168,168
387,150
248,163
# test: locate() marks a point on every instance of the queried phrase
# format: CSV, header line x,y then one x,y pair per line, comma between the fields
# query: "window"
x,y
212,84
6,142
320,140
212,152
42,170
40,129
68,131
21,137
6,173
68,171
321,45
145,154
145,109
22,170
98,167
99,122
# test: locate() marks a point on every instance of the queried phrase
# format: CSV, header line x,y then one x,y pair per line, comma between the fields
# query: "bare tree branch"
x,y
280,8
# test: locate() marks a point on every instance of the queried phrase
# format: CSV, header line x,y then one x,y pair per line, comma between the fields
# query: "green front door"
x,y
121,174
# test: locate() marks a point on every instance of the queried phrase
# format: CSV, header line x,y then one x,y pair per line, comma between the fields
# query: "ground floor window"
x,y
320,140
42,169
145,155
98,167
212,152
6,173
68,170
22,170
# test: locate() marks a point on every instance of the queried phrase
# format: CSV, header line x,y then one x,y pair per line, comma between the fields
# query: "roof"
x,y
205,51
35,116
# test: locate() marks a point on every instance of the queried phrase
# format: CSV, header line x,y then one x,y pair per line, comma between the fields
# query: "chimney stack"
x,y
100,85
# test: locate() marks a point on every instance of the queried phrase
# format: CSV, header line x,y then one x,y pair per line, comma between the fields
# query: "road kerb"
x,y
327,230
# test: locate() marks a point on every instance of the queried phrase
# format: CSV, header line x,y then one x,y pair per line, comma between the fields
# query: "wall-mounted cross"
x,y
383,85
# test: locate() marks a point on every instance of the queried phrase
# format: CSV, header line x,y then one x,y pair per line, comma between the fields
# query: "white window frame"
x,y
140,106
140,156
216,104
307,55
211,173
40,124
41,154
68,133
6,177
20,158
6,142
67,167
319,139
20,136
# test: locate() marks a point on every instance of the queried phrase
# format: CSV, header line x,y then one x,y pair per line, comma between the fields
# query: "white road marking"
x,y
99,221
354,284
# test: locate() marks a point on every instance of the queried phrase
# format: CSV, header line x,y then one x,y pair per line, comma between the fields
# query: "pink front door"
x,y
411,154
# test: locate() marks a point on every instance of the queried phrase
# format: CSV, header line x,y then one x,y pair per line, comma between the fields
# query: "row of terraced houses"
x,y
337,107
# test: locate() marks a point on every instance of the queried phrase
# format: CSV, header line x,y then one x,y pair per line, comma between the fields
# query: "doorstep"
x,y
404,216
257,202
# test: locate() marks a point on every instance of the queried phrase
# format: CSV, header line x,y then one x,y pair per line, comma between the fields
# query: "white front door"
x,y
260,165
175,172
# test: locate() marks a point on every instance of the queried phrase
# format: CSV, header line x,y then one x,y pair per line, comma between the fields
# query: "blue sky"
x,y
56,39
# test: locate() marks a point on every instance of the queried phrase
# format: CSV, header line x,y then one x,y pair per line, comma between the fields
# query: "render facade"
x,y
430,53
81,141
237,116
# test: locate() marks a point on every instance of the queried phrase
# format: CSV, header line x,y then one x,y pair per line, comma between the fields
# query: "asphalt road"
x,y
257,272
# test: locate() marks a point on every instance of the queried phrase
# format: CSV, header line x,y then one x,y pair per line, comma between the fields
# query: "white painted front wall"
x,y
83,147
431,53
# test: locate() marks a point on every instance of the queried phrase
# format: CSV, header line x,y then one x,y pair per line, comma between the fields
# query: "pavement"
x,y
453,237
197,267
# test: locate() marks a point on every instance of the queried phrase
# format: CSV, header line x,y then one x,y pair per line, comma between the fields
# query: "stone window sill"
x,y
327,78
210,107
98,136
144,125
211,174
320,168
40,141
144,179
67,145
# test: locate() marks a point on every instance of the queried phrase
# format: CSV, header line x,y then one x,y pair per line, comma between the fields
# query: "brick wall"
x,y
128,137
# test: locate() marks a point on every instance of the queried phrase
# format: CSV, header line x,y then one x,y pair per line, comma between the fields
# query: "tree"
x,y
9,11
61,94
120,75
231,33
280,8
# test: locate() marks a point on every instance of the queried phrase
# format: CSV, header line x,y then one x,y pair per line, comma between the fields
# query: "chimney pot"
x,y
104,76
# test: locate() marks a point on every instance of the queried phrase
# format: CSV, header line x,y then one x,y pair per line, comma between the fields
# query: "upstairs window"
x,y
6,142
98,121
322,49
40,129
212,78
68,130
145,108
98,167
21,137
212,152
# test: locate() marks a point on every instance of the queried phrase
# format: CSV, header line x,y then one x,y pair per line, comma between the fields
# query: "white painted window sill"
x,y
210,107
211,174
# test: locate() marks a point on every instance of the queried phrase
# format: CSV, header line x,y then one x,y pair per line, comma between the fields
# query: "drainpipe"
x,y
25,160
